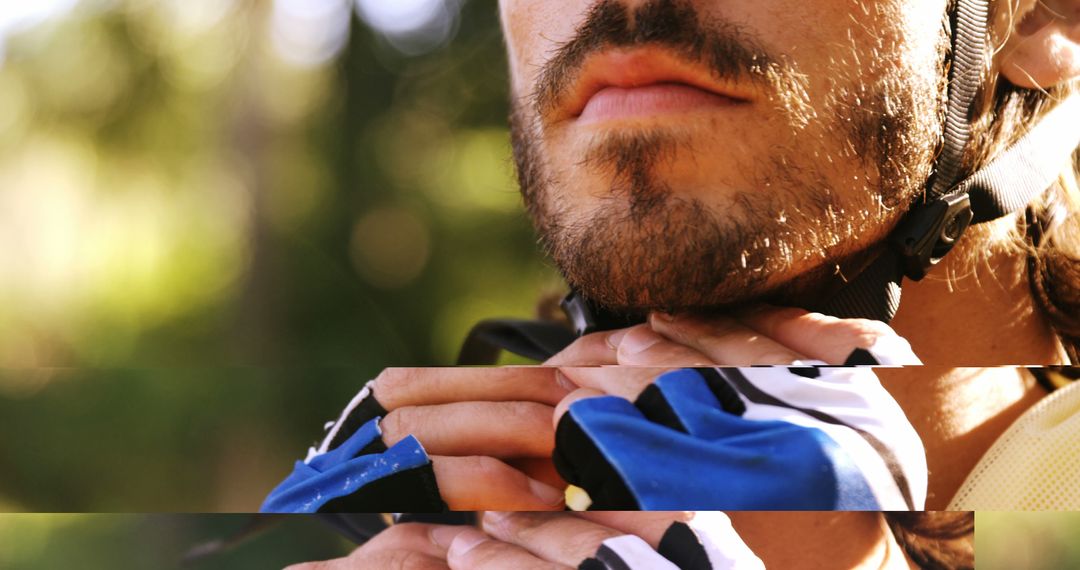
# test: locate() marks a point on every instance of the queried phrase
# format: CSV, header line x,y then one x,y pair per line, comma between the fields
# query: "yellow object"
x,y
577,499
1034,465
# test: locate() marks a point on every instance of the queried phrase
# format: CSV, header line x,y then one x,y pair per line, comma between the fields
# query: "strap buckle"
x,y
587,317
929,231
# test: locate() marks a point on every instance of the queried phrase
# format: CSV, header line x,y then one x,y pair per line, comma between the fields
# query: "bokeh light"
x,y
310,32
15,16
412,26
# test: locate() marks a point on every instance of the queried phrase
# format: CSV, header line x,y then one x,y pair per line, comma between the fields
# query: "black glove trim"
x,y
681,545
727,395
368,409
581,463
412,490
656,408
861,357
611,559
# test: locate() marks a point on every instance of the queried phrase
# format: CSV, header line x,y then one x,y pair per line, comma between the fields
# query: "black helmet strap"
x,y
1006,185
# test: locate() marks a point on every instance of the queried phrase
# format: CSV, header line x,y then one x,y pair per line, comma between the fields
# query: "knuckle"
x,y
777,357
515,526
596,536
719,327
862,333
488,467
682,516
532,412
395,425
482,555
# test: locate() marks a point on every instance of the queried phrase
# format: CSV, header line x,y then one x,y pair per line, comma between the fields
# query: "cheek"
x,y
838,42
534,29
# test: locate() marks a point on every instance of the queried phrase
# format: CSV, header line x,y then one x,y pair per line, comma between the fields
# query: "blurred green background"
x,y
219,217
1031,540
255,182
122,542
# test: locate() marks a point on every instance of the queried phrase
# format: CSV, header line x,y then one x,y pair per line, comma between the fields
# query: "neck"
x,y
976,309
959,412
820,540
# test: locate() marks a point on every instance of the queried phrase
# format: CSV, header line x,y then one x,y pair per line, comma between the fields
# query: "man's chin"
x,y
685,295
699,293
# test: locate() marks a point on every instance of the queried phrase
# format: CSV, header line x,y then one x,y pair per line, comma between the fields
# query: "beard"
x,y
784,234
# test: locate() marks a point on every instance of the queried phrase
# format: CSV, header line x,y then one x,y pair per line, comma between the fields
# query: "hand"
x,y
564,540
488,431
459,436
777,438
768,335
408,546
530,540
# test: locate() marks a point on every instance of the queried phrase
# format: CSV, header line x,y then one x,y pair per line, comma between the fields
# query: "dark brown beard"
x,y
651,248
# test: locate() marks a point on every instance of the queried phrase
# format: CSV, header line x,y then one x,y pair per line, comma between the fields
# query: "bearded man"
x,y
687,162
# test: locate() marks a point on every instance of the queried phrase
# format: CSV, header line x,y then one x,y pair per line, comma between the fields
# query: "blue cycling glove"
x,y
762,438
352,470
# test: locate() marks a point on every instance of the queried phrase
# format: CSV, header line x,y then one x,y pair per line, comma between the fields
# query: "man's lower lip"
x,y
661,98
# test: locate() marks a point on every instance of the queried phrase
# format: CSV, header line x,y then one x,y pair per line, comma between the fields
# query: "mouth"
x,y
633,84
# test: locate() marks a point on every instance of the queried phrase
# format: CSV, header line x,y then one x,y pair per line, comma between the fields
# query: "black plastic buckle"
x,y
929,231
589,318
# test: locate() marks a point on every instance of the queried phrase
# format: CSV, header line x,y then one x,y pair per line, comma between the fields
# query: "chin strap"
x,y
931,229
1006,185
540,339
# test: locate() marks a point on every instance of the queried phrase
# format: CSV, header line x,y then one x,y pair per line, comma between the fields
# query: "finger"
x,y
642,346
384,560
539,468
557,537
500,429
595,349
623,381
318,565
724,340
574,396
400,387
649,525
417,537
399,560
822,337
478,483
474,550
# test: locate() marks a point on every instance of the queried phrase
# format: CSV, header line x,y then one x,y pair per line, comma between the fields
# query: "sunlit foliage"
x,y
219,217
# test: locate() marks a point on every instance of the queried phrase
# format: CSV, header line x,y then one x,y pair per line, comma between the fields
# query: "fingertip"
x,y
564,382
548,495
615,337
592,349
492,519
657,317
579,394
442,536
638,339
465,541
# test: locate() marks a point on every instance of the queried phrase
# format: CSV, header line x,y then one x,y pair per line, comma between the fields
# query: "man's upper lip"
x,y
638,68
